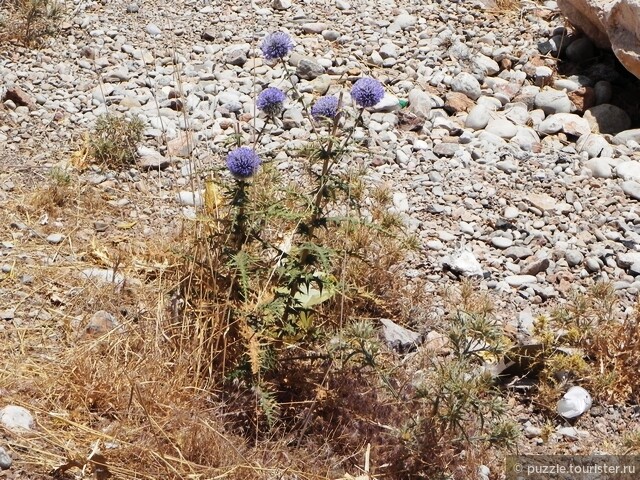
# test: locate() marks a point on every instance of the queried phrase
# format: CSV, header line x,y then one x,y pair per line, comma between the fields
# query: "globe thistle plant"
x,y
243,162
270,101
276,46
367,92
325,107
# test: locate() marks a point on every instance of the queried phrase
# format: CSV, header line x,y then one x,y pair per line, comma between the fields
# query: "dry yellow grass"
x,y
138,401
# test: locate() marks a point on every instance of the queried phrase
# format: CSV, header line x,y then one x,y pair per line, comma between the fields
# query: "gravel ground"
x,y
510,167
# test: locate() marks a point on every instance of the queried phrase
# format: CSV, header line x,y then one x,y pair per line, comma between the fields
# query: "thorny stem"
x,y
239,222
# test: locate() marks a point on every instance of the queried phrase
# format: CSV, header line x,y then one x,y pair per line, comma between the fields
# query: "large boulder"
x,y
609,24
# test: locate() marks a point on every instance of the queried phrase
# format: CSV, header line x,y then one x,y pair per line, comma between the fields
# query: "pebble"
x,y
190,198
5,459
573,257
104,275
478,117
501,242
553,101
153,30
628,170
501,127
581,50
594,146
520,280
55,238
16,418
467,84
600,167
631,189
607,118
465,263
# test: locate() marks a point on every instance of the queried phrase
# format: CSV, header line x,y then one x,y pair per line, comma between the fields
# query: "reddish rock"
x,y
583,98
19,97
458,102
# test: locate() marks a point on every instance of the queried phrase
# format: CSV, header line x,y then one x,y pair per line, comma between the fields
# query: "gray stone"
x,y
281,4
484,66
634,269
308,69
607,118
419,103
464,263
445,149
478,117
103,275
581,50
573,257
526,138
101,323
292,118
629,170
553,101
535,265
484,472
520,280
532,432
501,242
389,103
5,459
388,50
150,159
181,146
468,84
569,432
16,418
331,35
566,122
519,253
399,338
501,127
595,146
153,30
314,27
541,201
507,166
593,265
190,198
405,21
55,238
133,8
236,57
627,135
631,189
603,91
625,260
600,167
543,76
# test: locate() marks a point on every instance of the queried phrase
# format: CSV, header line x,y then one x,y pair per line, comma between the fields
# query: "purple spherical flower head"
x,y
276,45
243,162
367,91
270,101
325,107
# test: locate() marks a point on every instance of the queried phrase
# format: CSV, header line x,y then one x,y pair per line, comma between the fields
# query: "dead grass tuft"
x,y
115,140
29,22
606,350
508,5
